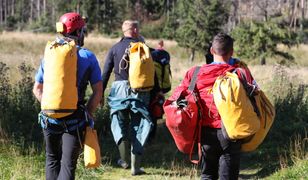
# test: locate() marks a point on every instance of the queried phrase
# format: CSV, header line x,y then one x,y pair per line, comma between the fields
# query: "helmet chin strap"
x,y
81,36
79,39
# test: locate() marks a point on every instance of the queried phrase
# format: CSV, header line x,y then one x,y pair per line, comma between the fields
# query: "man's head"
x,y
72,25
222,47
130,28
161,44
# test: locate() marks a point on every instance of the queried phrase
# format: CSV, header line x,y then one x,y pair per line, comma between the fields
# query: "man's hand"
x,y
95,98
38,90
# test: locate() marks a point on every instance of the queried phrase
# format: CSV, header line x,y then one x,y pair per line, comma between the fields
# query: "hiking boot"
x,y
123,164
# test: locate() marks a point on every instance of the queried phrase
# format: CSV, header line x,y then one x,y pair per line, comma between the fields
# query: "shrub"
x,y
291,104
24,108
289,97
289,132
5,89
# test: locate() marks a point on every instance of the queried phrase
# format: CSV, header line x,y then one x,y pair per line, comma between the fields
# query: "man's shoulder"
x,y
124,42
86,53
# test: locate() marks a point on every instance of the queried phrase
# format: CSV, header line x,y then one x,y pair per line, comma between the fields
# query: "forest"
x,y
192,23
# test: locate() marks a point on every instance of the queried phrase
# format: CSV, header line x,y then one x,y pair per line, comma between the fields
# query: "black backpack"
x,y
162,69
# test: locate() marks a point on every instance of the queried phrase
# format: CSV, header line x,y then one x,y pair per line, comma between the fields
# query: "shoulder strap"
x,y
250,89
197,133
194,79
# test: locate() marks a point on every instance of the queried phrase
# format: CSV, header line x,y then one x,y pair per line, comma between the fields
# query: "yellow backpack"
x,y
267,116
60,94
141,67
237,112
234,106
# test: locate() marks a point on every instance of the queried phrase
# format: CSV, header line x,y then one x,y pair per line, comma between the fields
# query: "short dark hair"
x,y
222,44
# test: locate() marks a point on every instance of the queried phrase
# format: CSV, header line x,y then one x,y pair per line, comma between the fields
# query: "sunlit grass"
x,y
162,160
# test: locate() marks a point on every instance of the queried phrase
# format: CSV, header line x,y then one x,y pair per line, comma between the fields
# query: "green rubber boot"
x,y
124,154
135,165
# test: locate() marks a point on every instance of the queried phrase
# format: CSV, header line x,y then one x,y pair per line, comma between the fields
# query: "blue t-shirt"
x,y
88,70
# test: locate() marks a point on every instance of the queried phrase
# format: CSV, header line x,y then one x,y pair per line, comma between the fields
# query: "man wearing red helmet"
x,y
63,136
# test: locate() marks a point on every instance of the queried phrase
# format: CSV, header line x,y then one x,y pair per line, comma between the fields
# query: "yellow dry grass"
x,y
16,47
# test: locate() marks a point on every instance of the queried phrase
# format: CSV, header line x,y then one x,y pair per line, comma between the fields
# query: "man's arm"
x,y
108,67
38,90
95,98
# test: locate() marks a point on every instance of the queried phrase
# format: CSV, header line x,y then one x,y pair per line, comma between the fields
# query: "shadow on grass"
x,y
259,164
163,154
160,153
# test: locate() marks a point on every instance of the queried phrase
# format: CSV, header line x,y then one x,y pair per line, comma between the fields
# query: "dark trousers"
x,y
153,130
62,151
220,157
128,123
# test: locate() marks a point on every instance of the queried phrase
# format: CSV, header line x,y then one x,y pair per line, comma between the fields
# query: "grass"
x,y
298,154
162,160
298,171
160,163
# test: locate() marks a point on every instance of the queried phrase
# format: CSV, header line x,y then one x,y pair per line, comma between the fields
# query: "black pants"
x,y
220,157
62,151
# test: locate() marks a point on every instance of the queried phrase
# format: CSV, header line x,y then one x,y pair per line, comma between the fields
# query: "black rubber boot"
x,y
124,154
135,165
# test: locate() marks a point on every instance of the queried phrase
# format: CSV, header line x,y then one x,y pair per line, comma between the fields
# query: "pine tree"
x,y
260,40
199,22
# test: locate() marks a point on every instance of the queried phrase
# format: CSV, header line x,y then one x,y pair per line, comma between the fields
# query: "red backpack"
x,y
183,114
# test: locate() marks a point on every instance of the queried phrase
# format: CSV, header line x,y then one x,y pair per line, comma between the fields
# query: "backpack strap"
x,y
250,89
197,133
194,79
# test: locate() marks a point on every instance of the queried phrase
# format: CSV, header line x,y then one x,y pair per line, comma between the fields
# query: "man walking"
x,y
64,128
130,120
220,156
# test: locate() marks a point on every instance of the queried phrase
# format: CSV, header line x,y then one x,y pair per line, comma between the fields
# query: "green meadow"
x,y
283,154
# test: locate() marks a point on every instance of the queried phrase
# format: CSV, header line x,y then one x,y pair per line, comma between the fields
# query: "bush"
x,y
291,103
5,89
289,97
22,124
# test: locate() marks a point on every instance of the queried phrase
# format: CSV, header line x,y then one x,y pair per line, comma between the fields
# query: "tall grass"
x,y
294,159
290,97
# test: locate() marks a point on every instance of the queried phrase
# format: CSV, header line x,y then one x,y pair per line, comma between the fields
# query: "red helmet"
x,y
71,22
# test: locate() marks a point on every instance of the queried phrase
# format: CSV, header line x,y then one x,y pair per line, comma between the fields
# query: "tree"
x,y
199,22
260,40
